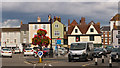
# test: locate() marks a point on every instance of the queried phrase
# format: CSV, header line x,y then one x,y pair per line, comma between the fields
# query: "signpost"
x,y
58,40
40,54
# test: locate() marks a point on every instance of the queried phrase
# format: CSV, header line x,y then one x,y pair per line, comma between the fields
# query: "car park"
x,y
98,52
6,52
80,51
115,54
28,51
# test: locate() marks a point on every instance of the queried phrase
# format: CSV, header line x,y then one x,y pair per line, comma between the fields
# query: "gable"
x,y
73,32
94,30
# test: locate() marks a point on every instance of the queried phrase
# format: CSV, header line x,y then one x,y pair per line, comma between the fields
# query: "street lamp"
x,y
51,49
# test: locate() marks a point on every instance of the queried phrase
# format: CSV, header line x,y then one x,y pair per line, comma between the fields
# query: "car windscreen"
x,y
78,46
114,49
28,49
98,49
46,49
16,48
6,49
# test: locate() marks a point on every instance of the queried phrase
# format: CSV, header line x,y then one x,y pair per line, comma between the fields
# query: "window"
x,y
118,32
118,41
57,33
7,40
14,40
102,40
56,25
76,31
24,32
91,38
91,30
78,38
43,26
64,28
24,40
35,27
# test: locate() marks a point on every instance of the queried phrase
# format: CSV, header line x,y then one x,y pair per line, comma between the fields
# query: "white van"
x,y
80,50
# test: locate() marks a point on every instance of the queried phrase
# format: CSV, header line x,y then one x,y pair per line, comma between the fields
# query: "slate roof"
x,y
24,27
105,28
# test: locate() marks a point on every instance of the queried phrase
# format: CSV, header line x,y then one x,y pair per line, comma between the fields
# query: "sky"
x,y
15,11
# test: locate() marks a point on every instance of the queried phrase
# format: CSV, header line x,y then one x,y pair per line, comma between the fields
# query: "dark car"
x,y
114,53
98,52
109,50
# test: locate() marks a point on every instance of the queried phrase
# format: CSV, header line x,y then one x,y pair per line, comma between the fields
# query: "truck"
x,y
80,50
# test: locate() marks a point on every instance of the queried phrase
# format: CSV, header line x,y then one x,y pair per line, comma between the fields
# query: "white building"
x,y
10,38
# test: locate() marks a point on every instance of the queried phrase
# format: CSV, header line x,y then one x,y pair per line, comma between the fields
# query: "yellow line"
x,y
26,62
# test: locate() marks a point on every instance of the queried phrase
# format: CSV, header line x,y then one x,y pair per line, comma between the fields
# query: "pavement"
x,y
18,60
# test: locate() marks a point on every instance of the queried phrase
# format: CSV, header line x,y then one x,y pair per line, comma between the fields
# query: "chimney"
x,y
59,19
21,22
82,20
68,22
114,26
98,23
49,17
38,19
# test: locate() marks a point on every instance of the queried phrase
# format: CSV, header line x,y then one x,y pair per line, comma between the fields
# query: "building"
x,y
83,32
10,38
24,35
115,20
58,30
34,26
115,30
106,35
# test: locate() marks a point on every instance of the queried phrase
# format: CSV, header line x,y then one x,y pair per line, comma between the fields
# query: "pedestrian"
x,y
56,50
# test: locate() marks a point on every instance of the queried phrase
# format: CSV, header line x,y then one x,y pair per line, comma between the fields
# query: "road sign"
x,y
40,53
59,41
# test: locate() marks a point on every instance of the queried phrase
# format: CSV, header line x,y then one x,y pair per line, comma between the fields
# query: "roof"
x,y
39,23
116,18
10,29
105,28
24,27
83,27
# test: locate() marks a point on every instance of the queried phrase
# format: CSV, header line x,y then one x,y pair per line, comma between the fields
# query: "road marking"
x,y
50,65
27,62
85,64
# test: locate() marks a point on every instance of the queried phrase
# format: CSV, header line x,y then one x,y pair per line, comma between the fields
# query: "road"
x,y
30,61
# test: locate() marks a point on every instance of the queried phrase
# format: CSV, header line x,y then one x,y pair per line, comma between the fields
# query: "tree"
x,y
41,39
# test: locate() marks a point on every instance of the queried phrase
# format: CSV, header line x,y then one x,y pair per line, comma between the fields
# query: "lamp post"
x,y
51,49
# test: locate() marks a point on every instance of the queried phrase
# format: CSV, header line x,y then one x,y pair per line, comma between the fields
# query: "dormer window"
x,y
56,26
76,30
91,30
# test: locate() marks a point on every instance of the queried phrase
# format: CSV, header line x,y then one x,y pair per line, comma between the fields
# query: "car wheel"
x,y
10,56
69,59
24,55
91,58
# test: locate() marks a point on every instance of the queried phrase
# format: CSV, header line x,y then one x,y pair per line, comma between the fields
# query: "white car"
x,y
6,52
62,51
28,51
16,50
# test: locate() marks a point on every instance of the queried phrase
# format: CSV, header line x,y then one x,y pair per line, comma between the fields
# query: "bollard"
x,y
96,61
102,58
110,62
117,57
40,60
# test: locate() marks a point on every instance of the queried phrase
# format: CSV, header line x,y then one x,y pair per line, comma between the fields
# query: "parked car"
x,y
62,51
28,51
109,50
115,51
16,50
6,52
36,49
80,51
45,52
98,52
